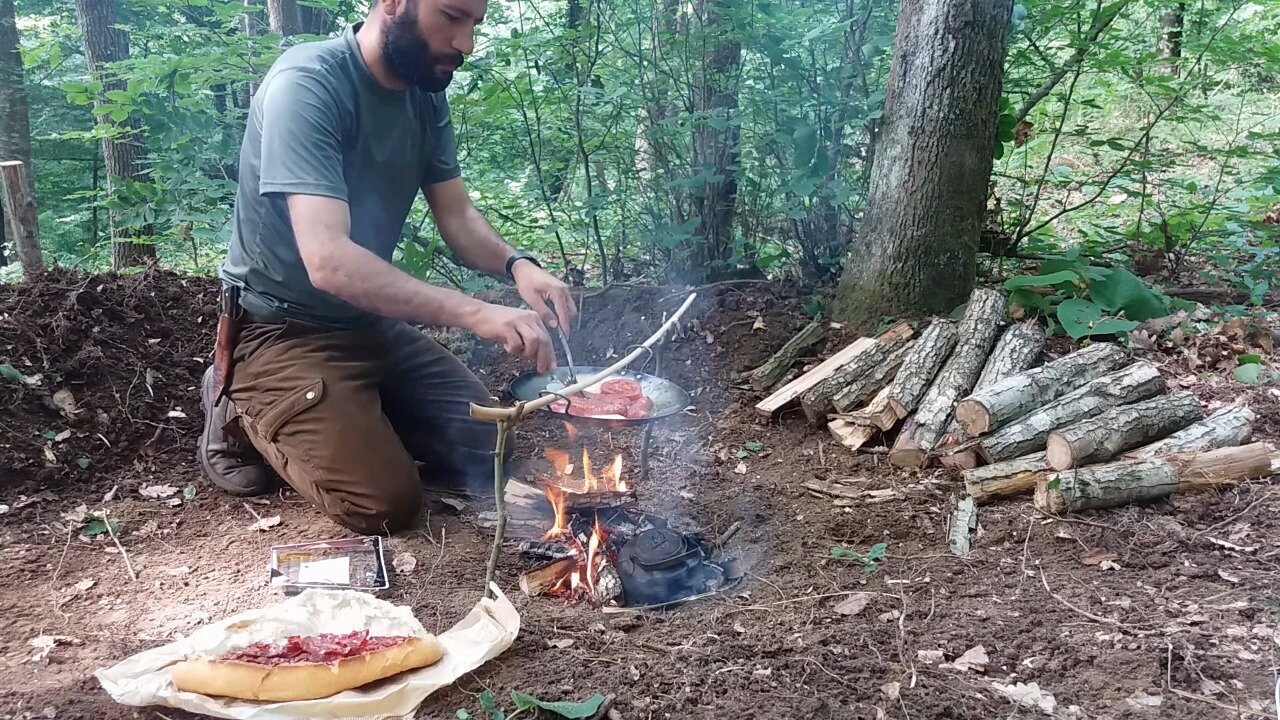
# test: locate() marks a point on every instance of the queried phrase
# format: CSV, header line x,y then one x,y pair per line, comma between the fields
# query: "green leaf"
x,y
10,373
49,434
1249,358
843,552
572,710
1081,318
742,454
1119,290
753,446
1055,484
96,526
490,707
805,142
877,551
1248,374
84,463
1021,281
189,493
463,714
1031,300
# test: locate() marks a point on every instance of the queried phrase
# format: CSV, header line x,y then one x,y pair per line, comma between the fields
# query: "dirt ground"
x,y
1183,623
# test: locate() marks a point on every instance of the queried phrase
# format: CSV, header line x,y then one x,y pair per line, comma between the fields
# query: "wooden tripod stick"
x,y
507,418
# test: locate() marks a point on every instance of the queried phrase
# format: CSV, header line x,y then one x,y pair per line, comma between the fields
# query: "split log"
x,y
850,434
539,581
1006,479
1104,436
817,401
920,366
792,391
874,381
996,405
977,332
773,370
1230,426
1127,481
879,412
1029,434
1018,349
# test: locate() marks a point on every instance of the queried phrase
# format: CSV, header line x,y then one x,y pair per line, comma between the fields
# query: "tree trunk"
x,y
994,406
921,366
15,119
1105,436
916,251
817,402
715,149
20,210
1120,483
1232,425
104,44
1136,382
1169,46
768,374
977,332
1006,479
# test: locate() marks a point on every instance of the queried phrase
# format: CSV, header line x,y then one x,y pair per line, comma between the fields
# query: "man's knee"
x,y
380,507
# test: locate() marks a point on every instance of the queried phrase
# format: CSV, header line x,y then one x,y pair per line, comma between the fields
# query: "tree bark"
x,y
817,401
916,251
15,125
1169,46
1103,437
920,366
994,406
768,374
104,44
1127,481
864,388
790,392
1136,382
1230,426
1006,479
977,332
20,211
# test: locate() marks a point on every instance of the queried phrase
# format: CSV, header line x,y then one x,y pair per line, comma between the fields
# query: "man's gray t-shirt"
x,y
320,124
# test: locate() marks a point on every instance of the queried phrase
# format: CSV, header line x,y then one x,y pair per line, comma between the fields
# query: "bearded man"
x,y
319,372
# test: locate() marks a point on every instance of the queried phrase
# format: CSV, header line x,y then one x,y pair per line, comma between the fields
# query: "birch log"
x,y
878,378
1106,435
1136,382
996,405
920,366
1230,426
773,370
977,332
1006,479
817,400
1127,481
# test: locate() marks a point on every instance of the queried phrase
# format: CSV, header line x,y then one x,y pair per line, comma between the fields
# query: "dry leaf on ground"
x,y
974,659
157,491
1097,556
853,605
1028,695
266,523
404,563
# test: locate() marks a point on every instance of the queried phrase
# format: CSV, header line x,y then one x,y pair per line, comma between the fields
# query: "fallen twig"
x,y
127,565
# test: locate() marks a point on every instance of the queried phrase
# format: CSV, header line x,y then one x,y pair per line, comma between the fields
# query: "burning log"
x,y
817,401
541,580
1127,481
872,383
1105,436
919,368
993,406
768,374
1230,426
1017,350
542,549
577,502
977,332
1008,478
1136,382
792,391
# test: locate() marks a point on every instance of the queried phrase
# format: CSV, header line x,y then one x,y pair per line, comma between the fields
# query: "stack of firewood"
x,y
1094,428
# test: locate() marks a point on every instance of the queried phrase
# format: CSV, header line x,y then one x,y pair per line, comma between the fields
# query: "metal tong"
x,y
564,341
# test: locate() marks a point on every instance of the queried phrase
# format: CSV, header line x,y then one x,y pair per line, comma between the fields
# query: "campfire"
x,y
603,549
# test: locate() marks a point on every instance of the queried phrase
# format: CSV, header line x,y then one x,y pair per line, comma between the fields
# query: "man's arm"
x,y
478,246
337,265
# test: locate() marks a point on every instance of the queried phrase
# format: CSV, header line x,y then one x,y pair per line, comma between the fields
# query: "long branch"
x,y
1103,20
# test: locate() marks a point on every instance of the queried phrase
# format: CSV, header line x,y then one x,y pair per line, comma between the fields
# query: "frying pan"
x,y
668,398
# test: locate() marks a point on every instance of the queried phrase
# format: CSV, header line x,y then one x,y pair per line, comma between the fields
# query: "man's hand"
x,y
519,332
537,287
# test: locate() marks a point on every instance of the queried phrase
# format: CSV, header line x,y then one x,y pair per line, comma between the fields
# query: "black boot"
x,y
230,463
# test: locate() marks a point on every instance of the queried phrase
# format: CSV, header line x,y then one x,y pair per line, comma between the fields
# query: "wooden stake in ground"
x,y
817,400
1018,349
19,206
773,370
874,381
1028,434
1230,426
920,366
1120,483
977,332
996,405
1006,479
1104,436
792,391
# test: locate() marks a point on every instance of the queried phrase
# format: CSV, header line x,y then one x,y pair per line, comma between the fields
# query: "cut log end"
x,y
1058,452
973,417
962,460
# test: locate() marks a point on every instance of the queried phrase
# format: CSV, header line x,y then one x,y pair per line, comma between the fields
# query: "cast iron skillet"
x,y
668,398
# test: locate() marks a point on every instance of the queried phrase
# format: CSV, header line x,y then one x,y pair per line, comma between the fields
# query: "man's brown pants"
x,y
342,416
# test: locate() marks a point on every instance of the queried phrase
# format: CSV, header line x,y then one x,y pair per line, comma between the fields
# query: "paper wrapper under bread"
x,y
488,630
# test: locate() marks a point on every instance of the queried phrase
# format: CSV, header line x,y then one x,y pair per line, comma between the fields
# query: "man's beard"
x,y
409,57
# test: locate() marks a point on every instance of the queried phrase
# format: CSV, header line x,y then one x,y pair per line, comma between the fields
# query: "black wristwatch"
x,y
519,255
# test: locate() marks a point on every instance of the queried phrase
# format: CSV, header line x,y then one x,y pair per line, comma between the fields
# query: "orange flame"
x,y
592,546
574,581
587,476
556,496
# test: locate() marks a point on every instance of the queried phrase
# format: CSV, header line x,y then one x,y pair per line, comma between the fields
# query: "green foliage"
x,y
524,703
870,560
1087,301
